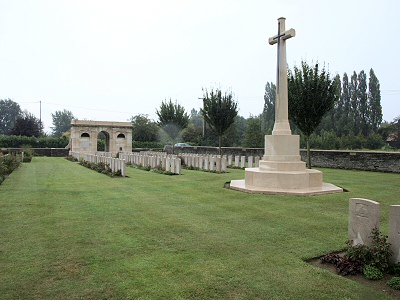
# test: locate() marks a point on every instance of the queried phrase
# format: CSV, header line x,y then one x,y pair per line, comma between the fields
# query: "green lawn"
x,y
67,232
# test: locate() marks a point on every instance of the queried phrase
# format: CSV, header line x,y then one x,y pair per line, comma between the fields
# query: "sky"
x,y
111,60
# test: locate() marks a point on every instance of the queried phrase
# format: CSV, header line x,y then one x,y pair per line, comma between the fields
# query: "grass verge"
x,y
67,232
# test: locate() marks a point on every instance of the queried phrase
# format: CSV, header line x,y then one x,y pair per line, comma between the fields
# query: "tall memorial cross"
x,y
281,103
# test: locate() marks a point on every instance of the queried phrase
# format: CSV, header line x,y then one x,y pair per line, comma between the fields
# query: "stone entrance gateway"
x,y
84,134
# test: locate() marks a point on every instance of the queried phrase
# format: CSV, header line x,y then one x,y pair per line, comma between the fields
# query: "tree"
x,y
172,119
27,125
9,112
196,118
374,101
354,104
342,119
253,137
269,108
312,93
143,129
192,134
363,105
61,122
219,111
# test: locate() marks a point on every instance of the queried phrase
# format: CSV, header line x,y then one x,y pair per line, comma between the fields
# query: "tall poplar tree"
x,y
363,103
343,119
354,104
374,101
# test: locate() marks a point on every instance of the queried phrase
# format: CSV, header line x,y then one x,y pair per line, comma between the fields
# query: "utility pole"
x,y
204,121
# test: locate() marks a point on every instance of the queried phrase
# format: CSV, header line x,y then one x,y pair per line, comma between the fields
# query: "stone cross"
x,y
281,104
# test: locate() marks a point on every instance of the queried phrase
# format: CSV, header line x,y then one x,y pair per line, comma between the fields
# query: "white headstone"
x,y
250,161
364,215
394,233
237,160
243,161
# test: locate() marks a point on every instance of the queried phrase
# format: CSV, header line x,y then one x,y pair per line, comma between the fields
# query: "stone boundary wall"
x,y
50,152
336,159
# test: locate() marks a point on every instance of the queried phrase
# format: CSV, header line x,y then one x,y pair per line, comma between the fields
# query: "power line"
x,y
70,106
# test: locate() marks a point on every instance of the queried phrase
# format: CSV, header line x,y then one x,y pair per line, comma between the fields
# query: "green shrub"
x,y
14,141
331,258
372,273
380,249
374,141
394,269
347,266
377,255
151,145
358,252
8,163
394,283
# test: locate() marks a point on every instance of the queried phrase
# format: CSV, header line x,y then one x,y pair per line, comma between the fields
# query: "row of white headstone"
x,y
364,215
115,164
167,162
212,162
205,162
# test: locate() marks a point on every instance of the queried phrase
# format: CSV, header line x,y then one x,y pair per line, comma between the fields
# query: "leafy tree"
x,y
253,137
312,93
196,118
143,129
61,122
374,101
233,136
219,111
9,112
192,134
27,125
269,108
172,119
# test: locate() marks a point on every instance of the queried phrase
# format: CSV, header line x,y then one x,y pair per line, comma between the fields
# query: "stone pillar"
x,y
394,233
364,215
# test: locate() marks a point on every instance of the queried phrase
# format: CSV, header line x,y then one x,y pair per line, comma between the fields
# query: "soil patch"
x,y
377,285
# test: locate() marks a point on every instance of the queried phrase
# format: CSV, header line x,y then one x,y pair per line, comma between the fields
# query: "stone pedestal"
x,y
281,171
